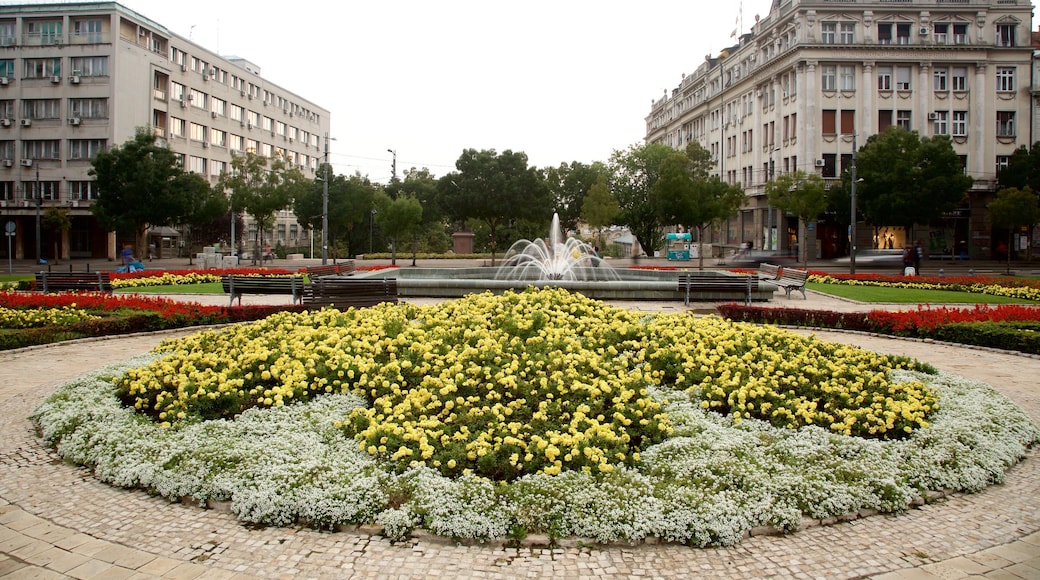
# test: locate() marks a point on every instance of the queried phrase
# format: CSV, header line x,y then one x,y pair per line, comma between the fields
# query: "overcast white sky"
x,y
560,80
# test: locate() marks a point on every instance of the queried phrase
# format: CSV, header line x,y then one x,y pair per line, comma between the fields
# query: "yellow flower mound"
x,y
540,381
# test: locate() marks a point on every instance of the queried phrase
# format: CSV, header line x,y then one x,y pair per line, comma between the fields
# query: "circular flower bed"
x,y
540,411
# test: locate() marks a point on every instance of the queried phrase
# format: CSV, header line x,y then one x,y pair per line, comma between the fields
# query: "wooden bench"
x,y
344,268
744,285
74,281
792,279
238,285
768,272
341,292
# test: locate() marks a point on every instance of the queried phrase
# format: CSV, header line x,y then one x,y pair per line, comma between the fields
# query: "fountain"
x,y
554,261
554,258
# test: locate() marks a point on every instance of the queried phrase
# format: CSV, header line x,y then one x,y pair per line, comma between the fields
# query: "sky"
x,y
559,80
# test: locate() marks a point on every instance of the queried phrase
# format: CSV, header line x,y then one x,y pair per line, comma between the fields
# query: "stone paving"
x,y
56,521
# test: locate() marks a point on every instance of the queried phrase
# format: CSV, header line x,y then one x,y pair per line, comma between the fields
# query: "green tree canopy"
x,y
261,186
568,185
139,186
907,179
1023,169
802,194
599,208
399,219
495,189
633,176
686,195
1015,208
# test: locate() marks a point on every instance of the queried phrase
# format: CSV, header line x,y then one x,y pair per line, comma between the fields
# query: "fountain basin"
x,y
654,285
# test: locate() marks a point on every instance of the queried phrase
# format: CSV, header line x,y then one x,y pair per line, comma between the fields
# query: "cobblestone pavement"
x,y
56,521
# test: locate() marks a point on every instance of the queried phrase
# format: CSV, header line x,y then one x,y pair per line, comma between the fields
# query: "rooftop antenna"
x,y
191,31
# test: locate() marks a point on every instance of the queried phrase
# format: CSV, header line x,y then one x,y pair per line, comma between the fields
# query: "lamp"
x,y
852,217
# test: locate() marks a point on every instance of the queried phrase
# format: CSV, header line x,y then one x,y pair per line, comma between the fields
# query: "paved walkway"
x,y
56,521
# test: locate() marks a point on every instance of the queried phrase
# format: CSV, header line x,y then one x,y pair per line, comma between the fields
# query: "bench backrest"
x,y
771,270
793,275
50,281
261,283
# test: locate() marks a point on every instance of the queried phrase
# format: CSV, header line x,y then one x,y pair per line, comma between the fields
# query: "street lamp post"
x,y
371,229
852,218
39,203
325,206
393,165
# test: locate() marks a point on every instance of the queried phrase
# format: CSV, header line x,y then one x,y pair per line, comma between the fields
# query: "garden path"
x,y
56,521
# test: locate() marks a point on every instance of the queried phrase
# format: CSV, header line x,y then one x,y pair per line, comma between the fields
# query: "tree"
x,y
568,185
907,179
432,232
599,208
633,174
801,194
203,204
1015,208
495,189
1023,169
399,218
57,221
260,187
138,186
686,195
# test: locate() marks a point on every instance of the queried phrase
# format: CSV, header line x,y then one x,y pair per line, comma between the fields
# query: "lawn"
x,y
202,288
880,294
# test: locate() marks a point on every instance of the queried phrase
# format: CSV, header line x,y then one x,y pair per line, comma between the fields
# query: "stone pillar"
x,y
463,242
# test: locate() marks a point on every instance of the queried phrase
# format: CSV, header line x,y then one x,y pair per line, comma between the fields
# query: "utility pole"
x,y
39,202
393,165
852,219
325,206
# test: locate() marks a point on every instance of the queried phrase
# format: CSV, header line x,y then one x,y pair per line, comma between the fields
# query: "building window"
x,y
198,132
41,109
7,68
197,165
941,33
1005,123
89,108
884,78
8,36
941,79
41,68
848,122
198,99
848,33
43,149
884,33
903,119
940,122
1005,35
83,190
89,66
177,127
902,34
44,32
960,123
45,190
830,165
960,34
828,79
884,119
829,32
829,125
1002,162
1005,79
959,79
88,31
903,78
85,148
848,78
218,137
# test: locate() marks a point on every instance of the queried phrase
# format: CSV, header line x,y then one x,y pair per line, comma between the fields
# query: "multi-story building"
x,y
815,78
76,78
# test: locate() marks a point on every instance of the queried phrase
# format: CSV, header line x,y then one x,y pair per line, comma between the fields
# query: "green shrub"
x,y
1020,336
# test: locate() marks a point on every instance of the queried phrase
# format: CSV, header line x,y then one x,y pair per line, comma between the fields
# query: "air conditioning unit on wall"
x,y
820,163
